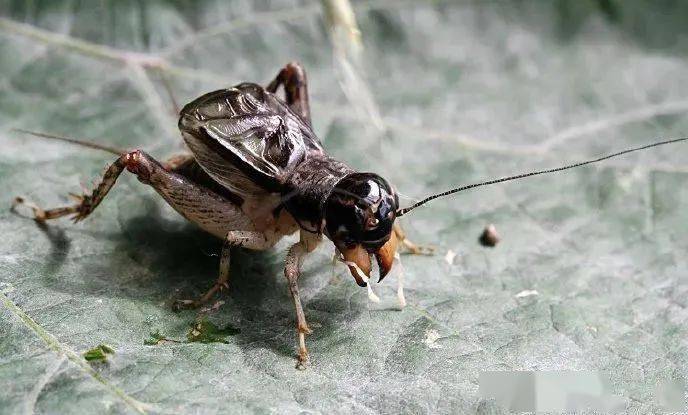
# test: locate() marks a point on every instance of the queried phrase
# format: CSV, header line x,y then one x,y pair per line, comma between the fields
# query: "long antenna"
x,y
406,210
83,143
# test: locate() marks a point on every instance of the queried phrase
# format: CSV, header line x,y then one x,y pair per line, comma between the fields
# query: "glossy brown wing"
x,y
246,138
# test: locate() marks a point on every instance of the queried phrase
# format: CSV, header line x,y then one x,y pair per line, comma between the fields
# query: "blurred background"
x,y
591,273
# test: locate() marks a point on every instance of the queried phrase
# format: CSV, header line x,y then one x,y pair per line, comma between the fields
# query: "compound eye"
x,y
371,222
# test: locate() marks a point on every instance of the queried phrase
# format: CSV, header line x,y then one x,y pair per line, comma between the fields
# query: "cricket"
x,y
256,172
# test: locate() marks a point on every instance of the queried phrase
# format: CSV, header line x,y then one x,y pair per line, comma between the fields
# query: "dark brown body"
x,y
255,173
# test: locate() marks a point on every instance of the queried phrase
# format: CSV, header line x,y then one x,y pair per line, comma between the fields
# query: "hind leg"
x,y
174,178
87,203
211,211
137,162
293,78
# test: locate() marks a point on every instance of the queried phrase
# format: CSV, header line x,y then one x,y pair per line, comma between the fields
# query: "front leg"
x,y
292,271
410,246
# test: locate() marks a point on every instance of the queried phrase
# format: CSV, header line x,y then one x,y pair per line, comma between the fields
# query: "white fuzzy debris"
x,y
397,269
371,294
431,337
10,258
450,257
358,269
526,293
6,288
400,281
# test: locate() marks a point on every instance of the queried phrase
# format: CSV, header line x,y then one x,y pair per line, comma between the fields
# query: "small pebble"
x,y
450,257
526,293
489,237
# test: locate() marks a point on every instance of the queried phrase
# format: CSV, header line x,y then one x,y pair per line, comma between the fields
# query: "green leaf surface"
x,y
590,272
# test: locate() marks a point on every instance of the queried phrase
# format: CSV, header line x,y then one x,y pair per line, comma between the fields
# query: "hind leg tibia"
x,y
136,161
293,78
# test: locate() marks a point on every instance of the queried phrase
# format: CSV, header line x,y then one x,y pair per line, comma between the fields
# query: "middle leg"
x,y
240,239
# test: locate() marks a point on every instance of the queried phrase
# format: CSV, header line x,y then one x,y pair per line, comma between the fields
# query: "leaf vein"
x,y
53,343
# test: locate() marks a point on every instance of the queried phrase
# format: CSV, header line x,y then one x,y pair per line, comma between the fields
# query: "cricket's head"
x,y
359,219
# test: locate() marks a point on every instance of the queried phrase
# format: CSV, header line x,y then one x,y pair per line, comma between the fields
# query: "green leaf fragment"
x,y
205,331
155,338
98,353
